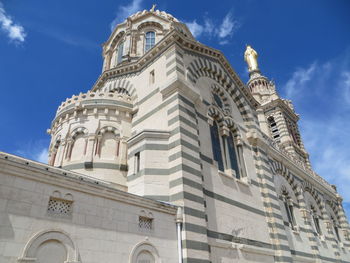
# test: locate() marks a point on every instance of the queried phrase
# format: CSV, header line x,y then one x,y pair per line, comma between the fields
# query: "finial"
x,y
153,7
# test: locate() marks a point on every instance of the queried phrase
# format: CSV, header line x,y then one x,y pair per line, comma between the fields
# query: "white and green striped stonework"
x,y
169,134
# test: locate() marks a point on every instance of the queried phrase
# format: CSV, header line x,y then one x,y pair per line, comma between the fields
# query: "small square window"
x,y
145,223
59,207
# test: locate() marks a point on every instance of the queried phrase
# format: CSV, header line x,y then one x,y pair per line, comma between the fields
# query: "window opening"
x,y
316,221
218,100
274,129
215,143
336,230
137,162
151,77
145,222
233,156
120,52
150,40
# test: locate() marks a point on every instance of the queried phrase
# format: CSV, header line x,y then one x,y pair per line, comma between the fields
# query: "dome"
x,y
137,35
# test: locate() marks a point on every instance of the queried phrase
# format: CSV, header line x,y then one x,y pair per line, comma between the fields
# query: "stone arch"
x,y
279,169
216,115
216,89
31,249
108,129
122,83
141,247
78,144
54,149
332,210
78,131
150,24
108,142
206,68
116,39
308,187
232,126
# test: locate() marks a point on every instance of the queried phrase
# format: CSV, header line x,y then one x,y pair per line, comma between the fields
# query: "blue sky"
x,y
50,50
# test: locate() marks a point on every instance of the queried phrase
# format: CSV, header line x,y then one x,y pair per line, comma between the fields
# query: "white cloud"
x,y
227,26
42,156
195,28
14,31
298,81
124,11
34,150
222,31
321,94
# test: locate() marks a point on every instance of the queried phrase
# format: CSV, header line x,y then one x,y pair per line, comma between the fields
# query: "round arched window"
x,y
150,40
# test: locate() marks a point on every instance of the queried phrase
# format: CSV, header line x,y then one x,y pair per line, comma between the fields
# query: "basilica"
x,y
170,157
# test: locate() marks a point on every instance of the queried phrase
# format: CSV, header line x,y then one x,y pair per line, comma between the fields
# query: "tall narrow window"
x,y
150,40
336,230
274,129
233,156
215,143
316,221
218,100
289,210
120,52
137,162
151,77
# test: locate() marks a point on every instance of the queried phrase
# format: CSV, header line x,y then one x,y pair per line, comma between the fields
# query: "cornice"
x,y
297,167
32,170
279,102
175,37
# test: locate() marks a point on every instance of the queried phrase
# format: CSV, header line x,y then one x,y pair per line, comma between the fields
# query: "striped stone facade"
x,y
261,202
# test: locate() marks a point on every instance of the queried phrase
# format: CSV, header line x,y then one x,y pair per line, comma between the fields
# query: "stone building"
x,y
170,157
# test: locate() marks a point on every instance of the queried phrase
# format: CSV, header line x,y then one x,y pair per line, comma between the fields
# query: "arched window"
x,y
273,129
144,253
150,40
336,229
145,257
288,207
316,220
232,149
52,246
226,153
216,145
120,52
218,100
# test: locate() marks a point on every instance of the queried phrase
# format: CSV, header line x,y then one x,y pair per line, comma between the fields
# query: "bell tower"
x,y
277,116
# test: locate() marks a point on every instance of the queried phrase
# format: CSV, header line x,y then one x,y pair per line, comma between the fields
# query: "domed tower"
x,y
89,134
276,115
90,131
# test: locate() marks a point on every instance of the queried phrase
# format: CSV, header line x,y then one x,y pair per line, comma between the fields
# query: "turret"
x,y
89,133
277,117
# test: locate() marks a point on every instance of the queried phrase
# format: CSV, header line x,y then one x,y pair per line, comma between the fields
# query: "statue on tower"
x,y
251,57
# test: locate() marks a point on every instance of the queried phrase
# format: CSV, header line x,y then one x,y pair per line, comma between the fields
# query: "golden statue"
x,y
251,57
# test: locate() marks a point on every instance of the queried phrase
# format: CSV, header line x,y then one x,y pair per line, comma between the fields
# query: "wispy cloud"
x,y
34,150
321,93
15,32
124,11
195,28
227,26
299,80
222,30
